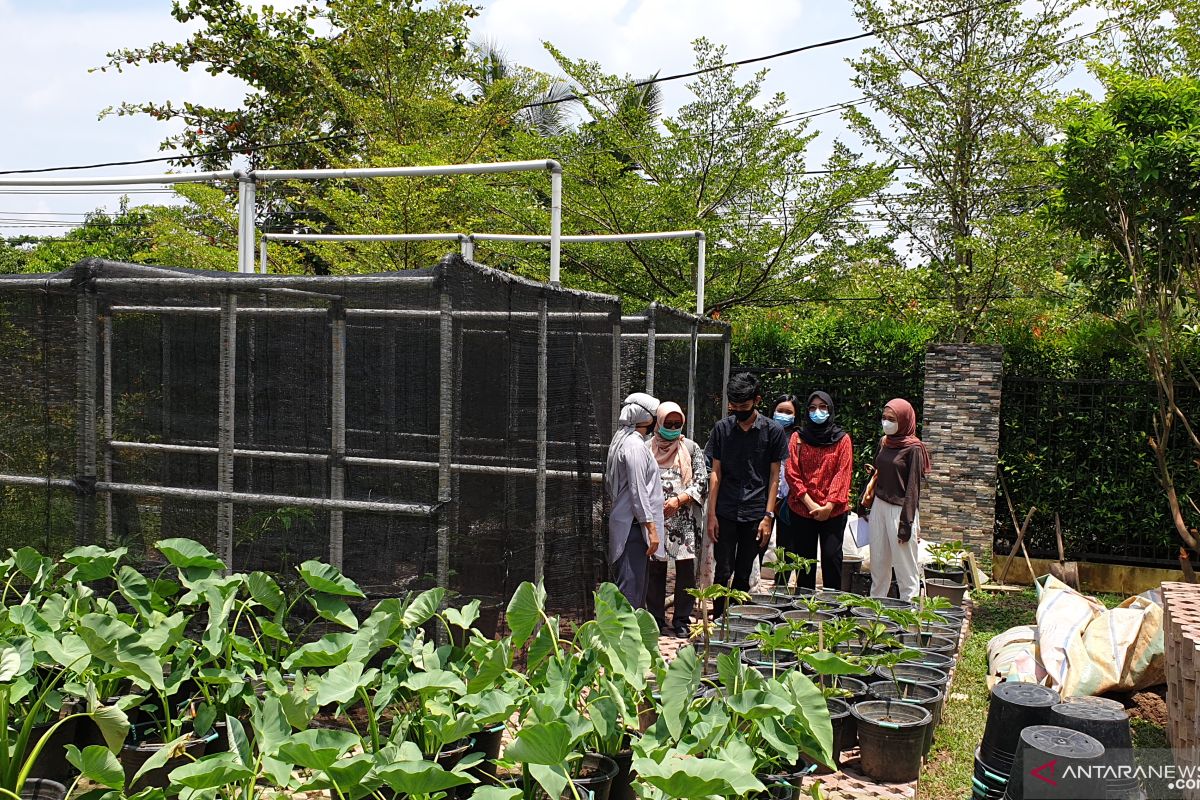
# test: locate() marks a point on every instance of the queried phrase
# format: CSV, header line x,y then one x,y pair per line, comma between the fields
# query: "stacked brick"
x,y
961,428
1181,631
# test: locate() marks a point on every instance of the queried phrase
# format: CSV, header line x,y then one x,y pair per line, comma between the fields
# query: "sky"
x,y
53,99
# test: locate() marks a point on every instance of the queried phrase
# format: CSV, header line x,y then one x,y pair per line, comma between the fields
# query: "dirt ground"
x,y
1150,705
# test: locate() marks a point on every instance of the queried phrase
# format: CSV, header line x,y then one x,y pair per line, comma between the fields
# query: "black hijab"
x,y
827,433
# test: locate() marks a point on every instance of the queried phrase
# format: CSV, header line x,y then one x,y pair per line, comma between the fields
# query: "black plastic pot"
x,y
779,787
776,600
829,595
914,673
43,789
1012,707
622,783
1071,751
1110,727
753,613
951,590
781,661
955,574
487,743
891,739
52,761
894,601
928,641
133,756
804,615
859,693
839,717
985,784
850,568
603,771
942,661
860,583
931,698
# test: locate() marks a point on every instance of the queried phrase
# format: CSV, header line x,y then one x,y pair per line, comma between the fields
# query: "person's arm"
x,y
698,489
768,523
714,487
641,478
797,486
912,495
839,487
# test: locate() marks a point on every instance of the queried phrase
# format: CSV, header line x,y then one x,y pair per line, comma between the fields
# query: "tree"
x,y
729,162
963,104
1152,38
1127,178
307,69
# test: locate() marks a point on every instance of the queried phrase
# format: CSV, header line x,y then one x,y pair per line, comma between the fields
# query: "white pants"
x,y
887,553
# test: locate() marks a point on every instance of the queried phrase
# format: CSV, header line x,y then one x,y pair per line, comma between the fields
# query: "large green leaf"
x,y
812,708
620,636
437,680
211,772
546,743
342,682
678,689
686,777
136,589
93,562
759,703
825,663
334,609
328,651
328,579
552,779
16,658
423,607
269,723
419,777
317,748
348,773
496,793
98,765
113,724
265,591
525,611
186,554
120,646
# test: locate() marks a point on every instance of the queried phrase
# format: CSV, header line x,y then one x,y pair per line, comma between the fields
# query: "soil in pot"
x,y
891,739
928,641
804,615
948,573
914,673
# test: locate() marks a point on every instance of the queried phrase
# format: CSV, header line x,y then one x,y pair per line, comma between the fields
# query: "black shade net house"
x,y
419,428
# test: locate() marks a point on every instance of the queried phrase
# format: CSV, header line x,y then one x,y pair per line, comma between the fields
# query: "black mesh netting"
x,y
159,355
672,346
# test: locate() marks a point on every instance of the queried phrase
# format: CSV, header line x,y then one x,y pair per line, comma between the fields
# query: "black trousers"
x,y
736,549
801,536
656,592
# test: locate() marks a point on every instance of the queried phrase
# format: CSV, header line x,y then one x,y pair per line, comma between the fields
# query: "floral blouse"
x,y
687,525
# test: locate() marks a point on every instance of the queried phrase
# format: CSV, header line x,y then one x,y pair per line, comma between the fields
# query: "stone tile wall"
x,y
961,413
1181,633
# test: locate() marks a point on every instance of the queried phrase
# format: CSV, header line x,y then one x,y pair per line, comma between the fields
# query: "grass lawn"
x,y
947,774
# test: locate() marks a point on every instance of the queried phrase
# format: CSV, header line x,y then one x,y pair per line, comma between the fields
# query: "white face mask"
x,y
890,427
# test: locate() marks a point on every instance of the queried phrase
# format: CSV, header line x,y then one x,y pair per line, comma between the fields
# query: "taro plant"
x,y
703,629
787,562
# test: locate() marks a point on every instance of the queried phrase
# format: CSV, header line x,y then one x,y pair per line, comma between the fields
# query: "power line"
x,y
758,59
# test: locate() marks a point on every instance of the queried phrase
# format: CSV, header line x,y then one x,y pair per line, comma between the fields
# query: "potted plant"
x,y
786,563
946,562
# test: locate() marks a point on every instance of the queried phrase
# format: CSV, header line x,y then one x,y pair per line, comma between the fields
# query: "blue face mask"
x,y
819,416
670,434
786,420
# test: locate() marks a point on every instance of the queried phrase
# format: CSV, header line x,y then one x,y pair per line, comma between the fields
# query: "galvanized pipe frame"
x,y
226,386
337,429
87,332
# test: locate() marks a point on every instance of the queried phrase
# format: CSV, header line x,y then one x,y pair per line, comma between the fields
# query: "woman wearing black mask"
x,y
817,471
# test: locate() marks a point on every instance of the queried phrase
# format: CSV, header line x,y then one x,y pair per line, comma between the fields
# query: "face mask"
x,y
890,427
819,416
742,416
786,420
670,434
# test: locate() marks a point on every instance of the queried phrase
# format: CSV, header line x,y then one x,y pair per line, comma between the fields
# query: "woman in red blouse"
x,y
820,459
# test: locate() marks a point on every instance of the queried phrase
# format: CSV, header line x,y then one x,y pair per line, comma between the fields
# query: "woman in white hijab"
x,y
634,490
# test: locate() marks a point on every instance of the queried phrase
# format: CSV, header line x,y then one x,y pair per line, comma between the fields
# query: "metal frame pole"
x,y
701,255
725,377
106,334
650,312
85,422
539,513
262,256
692,359
555,222
337,429
618,389
225,424
241,226
466,247
445,433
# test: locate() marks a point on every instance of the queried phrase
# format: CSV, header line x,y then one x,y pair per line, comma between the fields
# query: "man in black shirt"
x,y
746,449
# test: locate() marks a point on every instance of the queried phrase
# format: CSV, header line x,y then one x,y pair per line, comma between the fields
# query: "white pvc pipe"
x,y
598,238
267,175
555,225
700,256
124,180
365,237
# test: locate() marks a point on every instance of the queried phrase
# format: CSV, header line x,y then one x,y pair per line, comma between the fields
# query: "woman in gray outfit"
x,y
635,492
